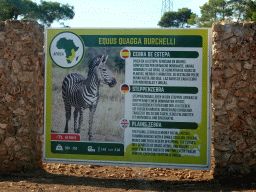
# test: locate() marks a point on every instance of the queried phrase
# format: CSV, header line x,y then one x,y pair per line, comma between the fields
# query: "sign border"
x,y
61,158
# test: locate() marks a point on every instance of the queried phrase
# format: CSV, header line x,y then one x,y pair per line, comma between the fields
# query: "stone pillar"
x,y
21,95
234,95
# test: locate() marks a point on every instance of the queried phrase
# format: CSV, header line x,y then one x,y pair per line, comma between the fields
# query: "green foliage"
x,y
11,9
239,8
213,11
230,10
250,10
46,12
119,63
193,19
177,19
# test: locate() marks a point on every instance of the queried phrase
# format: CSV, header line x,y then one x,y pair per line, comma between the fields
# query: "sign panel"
x,y
128,97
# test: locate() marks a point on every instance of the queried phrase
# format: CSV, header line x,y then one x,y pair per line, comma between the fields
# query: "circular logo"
x,y
124,53
66,50
125,88
124,123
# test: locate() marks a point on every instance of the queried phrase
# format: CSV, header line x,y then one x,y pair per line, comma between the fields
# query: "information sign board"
x,y
129,97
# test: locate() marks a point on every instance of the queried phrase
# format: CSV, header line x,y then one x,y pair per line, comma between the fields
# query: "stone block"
x,y
15,66
10,141
252,102
3,79
217,44
231,116
252,161
249,120
25,77
2,36
230,81
222,148
247,25
3,150
28,36
222,160
227,35
236,158
218,104
230,72
241,84
9,98
25,158
219,112
249,94
231,103
218,27
236,135
3,126
238,66
240,146
244,99
242,105
18,46
232,40
223,93
2,135
22,130
239,93
248,65
19,111
17,147
216,36
222,55
243,75
11,131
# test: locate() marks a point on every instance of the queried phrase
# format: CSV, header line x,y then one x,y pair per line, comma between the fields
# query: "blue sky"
x,y
121,13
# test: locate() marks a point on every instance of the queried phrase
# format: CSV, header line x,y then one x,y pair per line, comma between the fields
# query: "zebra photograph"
x,y
85,105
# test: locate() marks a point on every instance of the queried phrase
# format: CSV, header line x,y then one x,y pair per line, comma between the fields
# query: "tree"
x,y
250,10
177,19
213,11
11,9
46,12
239,9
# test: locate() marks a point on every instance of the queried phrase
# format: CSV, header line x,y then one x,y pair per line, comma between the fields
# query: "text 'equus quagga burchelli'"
x,y
82,93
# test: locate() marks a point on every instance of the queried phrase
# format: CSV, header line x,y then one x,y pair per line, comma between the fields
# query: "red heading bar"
x,y
65,137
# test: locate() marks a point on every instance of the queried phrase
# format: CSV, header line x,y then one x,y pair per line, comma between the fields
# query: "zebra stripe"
x,y
82,93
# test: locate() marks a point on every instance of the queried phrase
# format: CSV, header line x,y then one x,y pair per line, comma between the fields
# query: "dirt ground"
x,y
73,177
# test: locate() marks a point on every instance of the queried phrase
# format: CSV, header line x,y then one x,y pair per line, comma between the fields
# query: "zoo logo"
x,y
66,50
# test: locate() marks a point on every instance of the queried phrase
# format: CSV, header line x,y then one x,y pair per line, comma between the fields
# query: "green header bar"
x,y
162,124
165,54
142,40
163,89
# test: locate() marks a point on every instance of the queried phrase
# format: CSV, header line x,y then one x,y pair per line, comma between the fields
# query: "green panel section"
x,y
142,40
113,149
165,54
162,124
163,89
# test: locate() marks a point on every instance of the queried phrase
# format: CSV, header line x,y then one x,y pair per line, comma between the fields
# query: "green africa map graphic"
x,y
69,47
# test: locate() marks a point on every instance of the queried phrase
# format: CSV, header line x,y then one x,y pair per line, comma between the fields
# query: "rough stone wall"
x,y
234,95
21,95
